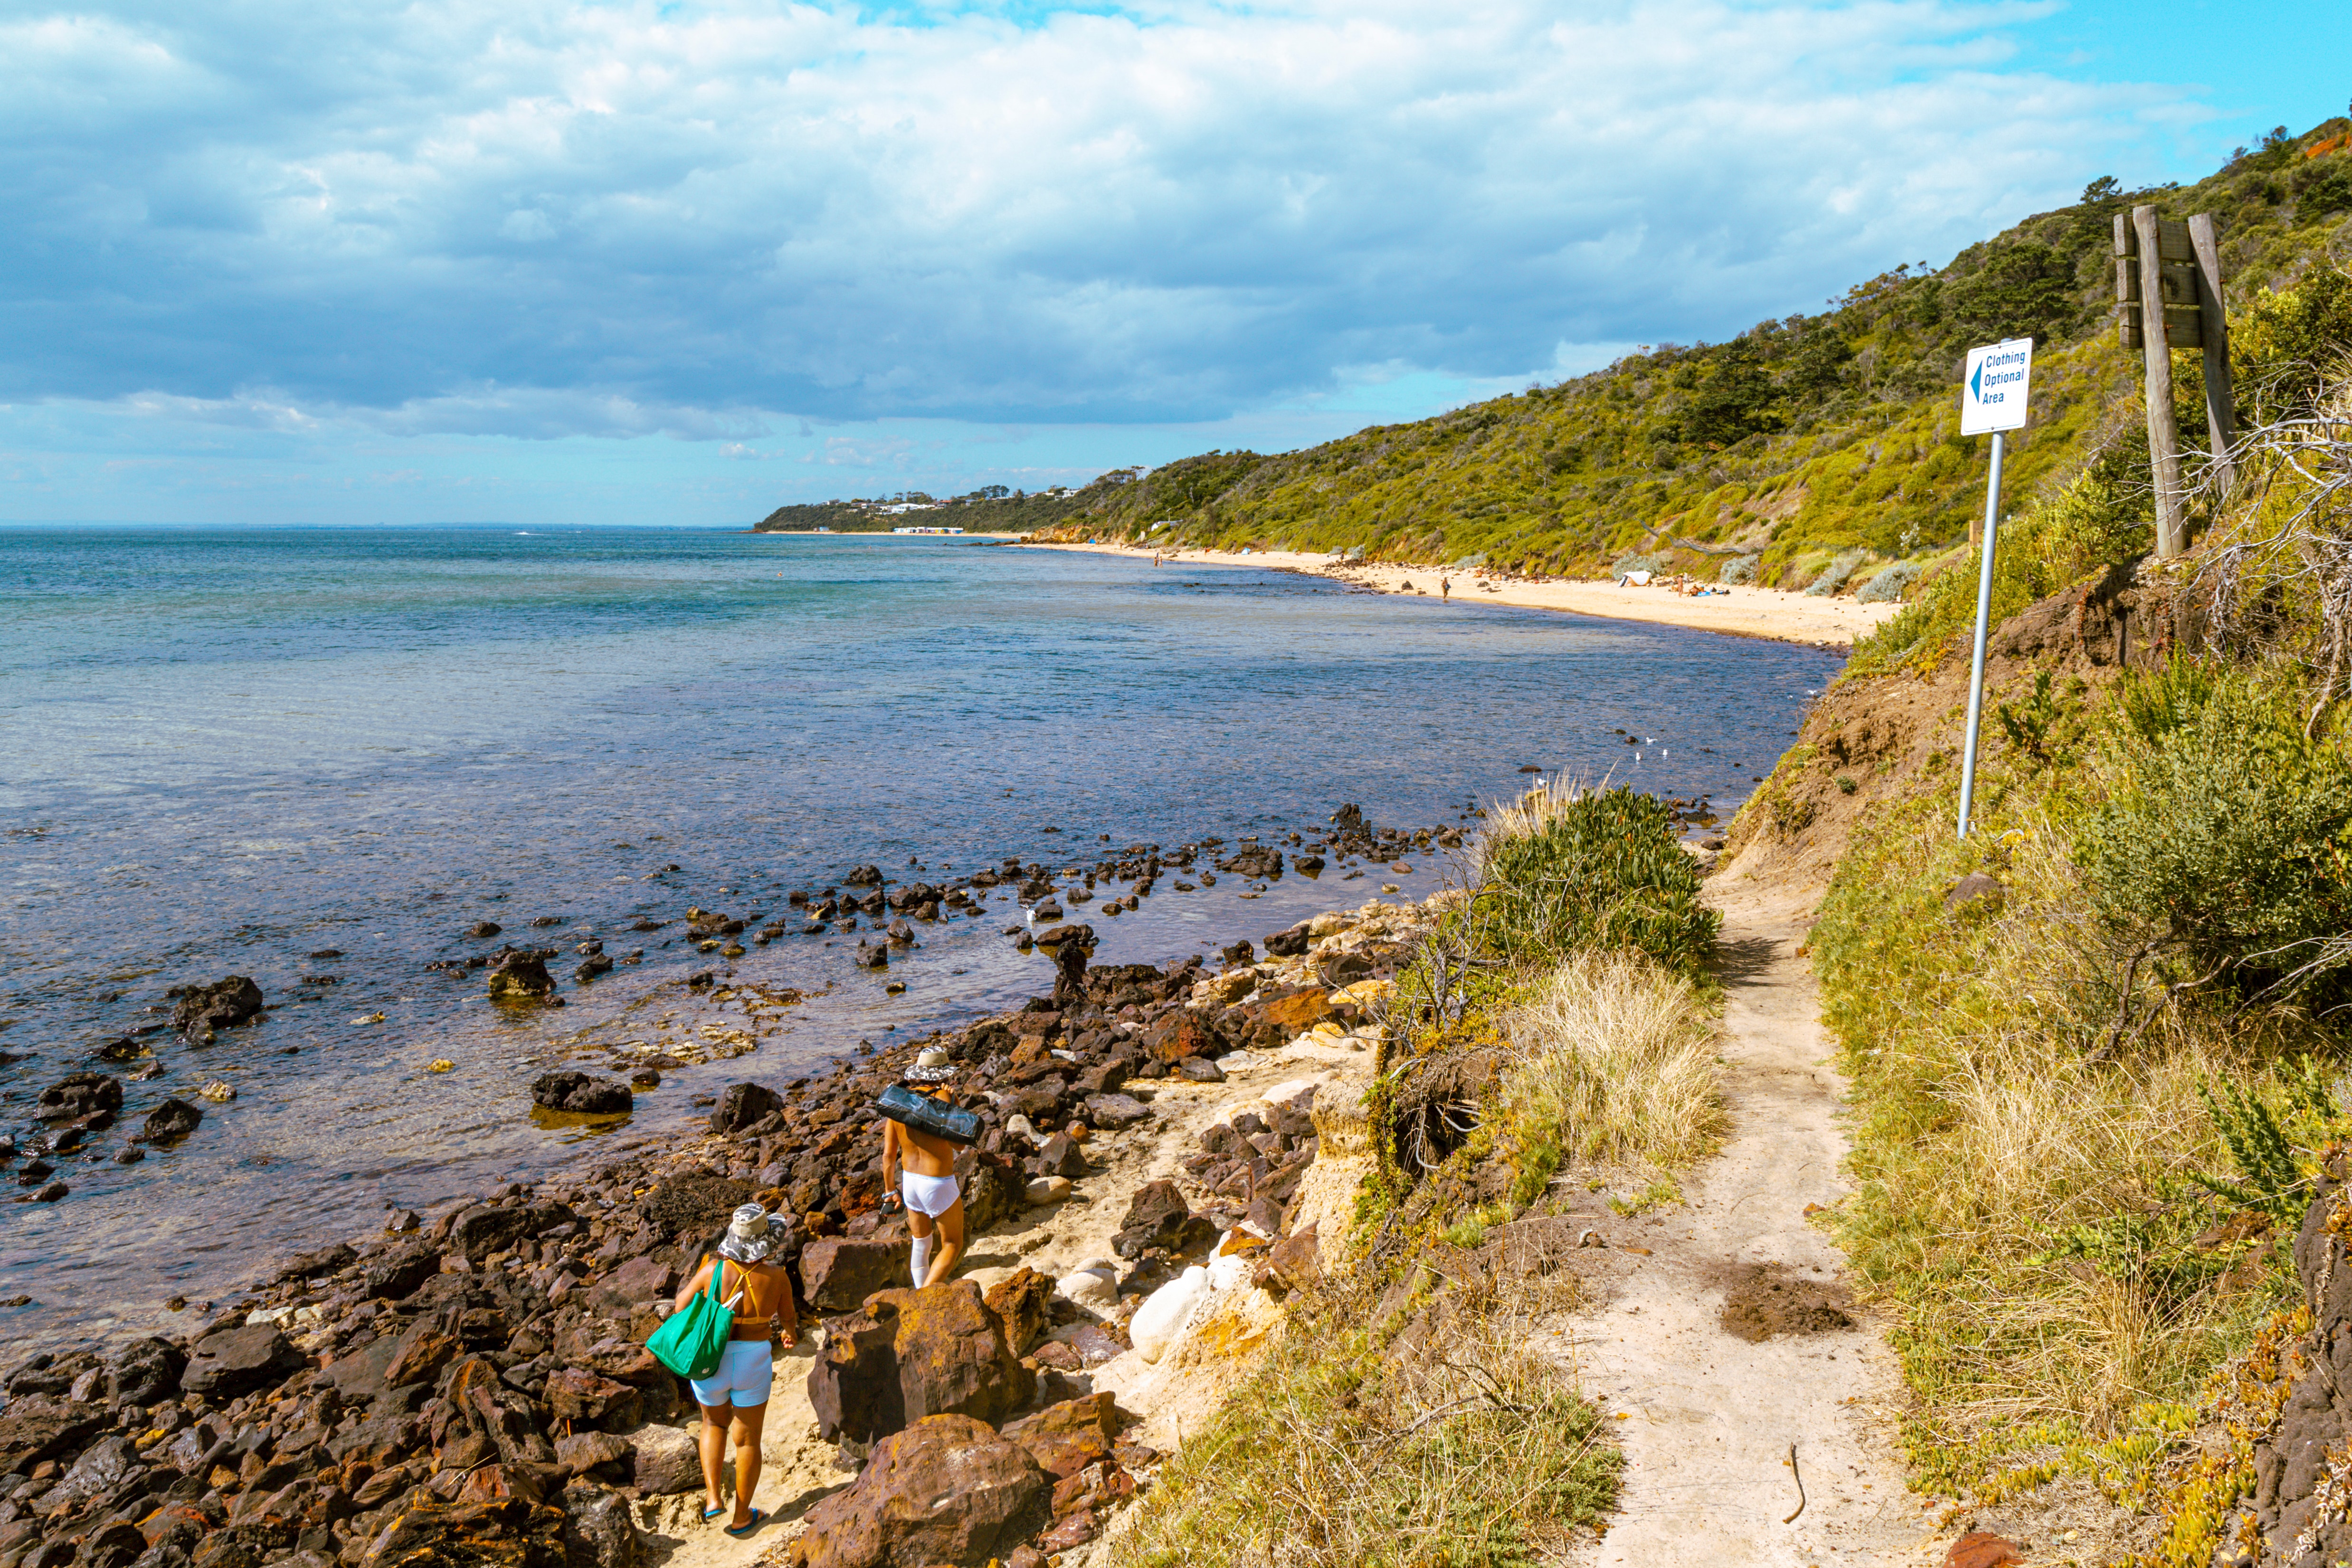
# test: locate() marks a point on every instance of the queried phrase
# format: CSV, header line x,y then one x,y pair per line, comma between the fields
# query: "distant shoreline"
x,y
1771,614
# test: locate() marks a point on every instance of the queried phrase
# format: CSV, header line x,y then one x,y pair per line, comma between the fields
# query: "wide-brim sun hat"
x,y
749,1237
932,1065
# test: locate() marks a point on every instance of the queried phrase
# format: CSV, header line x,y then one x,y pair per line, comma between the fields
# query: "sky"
x,y
548,261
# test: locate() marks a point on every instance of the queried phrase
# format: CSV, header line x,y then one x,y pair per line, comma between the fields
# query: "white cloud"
x,y
539,218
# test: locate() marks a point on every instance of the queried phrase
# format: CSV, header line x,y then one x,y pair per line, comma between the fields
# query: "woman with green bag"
x,y
734,1394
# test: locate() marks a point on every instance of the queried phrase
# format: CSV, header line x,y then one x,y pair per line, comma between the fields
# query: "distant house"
x,y
927,528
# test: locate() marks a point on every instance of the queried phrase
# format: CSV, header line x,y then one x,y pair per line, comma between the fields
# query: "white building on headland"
x,y
927,530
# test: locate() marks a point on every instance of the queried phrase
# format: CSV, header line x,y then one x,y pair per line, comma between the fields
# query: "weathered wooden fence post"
x,y
2169,294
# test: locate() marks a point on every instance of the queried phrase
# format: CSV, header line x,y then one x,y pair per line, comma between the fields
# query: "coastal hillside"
x,y
1818,445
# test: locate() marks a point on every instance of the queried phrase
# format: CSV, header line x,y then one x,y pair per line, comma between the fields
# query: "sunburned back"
x,y
924,1154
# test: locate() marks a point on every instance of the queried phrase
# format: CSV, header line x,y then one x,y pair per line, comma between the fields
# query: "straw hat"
x,y
932,1065
749,1237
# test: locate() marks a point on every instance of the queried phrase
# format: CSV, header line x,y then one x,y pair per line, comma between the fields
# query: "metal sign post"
x,y
1992,399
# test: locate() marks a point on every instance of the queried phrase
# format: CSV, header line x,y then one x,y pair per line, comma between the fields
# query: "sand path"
x,y
1745,612
1707,1418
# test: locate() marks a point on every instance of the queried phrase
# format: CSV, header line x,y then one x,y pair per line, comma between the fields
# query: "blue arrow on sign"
x,y
1976,381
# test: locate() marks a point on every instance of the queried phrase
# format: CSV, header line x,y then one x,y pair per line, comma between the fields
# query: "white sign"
x,y
1993,391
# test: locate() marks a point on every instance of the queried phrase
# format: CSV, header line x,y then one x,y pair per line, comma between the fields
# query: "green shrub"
x,y
2224,848
1740,569
2097,521
1625,563
1582,870
1888,586
2287,340
1834,575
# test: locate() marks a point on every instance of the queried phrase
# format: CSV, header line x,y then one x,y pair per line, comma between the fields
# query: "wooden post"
x,y
2221,411
2163,434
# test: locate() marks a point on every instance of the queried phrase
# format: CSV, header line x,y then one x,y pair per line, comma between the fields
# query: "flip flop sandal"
x,y
743,1533
710,1513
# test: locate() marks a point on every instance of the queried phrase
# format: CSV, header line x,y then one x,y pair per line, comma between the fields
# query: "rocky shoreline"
x,y
472,1385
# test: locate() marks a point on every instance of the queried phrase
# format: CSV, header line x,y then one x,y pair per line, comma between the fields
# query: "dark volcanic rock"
x,y
171,1122
78,1095
223,1004
520,977
495,1227
1288,943
581,1095
1066,1438
946,1489
145,1371
501,1533
394,1276
838,1273
40,1426
907,1354
742,1105
230,1362
599,1531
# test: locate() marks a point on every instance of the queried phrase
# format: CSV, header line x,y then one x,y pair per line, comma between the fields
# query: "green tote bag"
x,y
692,1339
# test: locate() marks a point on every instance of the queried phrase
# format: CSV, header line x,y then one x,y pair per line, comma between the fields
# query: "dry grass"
x,y
1449,1445
1616,1064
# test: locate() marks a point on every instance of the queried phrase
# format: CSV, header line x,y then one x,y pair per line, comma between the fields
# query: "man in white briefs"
x,y
924,1167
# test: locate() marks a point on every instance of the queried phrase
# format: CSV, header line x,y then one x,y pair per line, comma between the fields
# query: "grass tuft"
x,y
1356,1445
1615,1063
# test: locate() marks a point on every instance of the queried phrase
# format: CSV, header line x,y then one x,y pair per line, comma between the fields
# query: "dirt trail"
x,y
1707,1418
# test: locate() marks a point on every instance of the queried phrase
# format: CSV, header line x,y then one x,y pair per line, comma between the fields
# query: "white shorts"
x,y
746,1368
934,1196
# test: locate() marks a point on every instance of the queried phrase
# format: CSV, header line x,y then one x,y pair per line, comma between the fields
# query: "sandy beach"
x,y
1743,612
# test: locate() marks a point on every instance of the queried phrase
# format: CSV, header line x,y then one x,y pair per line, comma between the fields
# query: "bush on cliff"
x,y
1566,869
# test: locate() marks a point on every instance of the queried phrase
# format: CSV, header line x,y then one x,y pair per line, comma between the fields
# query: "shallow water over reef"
x,y
231,751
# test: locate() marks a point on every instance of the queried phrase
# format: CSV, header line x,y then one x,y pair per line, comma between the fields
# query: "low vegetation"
x,y
2092,1105
1552,1021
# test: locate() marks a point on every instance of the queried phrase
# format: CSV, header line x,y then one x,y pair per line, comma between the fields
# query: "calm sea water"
x,y
222,751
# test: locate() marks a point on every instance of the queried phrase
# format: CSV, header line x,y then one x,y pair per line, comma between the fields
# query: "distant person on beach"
x,y
1444,589
734,1397
925,1182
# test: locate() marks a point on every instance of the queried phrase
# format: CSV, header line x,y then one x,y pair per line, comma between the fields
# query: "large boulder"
x,y
743,1104
907,1354
580,1398
664,1461
224,1004
76,1094
102,1466
1159,1216
946,1489
837,1273
577,1094
1024,1302
230,1362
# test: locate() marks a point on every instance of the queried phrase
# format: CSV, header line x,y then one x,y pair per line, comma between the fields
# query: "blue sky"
x,y
547,261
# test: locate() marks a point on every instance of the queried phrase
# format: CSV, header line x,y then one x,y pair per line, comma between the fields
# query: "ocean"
x,y
225,750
